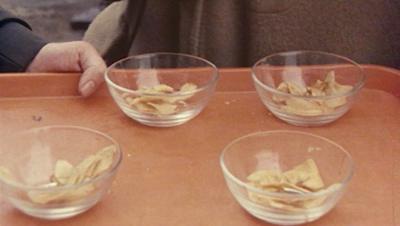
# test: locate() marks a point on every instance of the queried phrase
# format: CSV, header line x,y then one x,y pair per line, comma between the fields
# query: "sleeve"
x,y
113,30
18,44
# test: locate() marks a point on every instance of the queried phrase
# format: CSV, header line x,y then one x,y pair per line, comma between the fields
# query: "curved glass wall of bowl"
x,y
162,89
57,172
286,183
307,88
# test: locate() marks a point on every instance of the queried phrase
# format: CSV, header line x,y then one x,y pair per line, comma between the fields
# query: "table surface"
x,y
172,177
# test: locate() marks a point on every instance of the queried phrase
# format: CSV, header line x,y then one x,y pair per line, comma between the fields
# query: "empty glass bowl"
x,y
286,177
307,88
162,89
56,172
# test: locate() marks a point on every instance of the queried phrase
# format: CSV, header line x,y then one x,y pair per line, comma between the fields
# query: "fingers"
x,y
77,56
93,68
56,57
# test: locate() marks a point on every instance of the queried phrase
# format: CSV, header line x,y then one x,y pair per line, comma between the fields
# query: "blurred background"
x,y
55,20
51,19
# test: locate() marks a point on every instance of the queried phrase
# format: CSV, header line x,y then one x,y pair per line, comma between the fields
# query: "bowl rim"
x,y
107,173
360,83
209,83
343,183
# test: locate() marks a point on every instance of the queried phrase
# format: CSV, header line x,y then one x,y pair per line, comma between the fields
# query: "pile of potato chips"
x,y
67,174
302,179
310,106
160,99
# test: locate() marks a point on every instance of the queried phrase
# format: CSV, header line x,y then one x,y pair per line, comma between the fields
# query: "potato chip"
x,y
319,85
145,100
305,175
63,171
303,107
157,89
162,88
45,197
164,108
283,87
145,108
187,87
126,95
334,88
87,167
106,156
266,178
296,89
293,188
335,102
6,175
315,92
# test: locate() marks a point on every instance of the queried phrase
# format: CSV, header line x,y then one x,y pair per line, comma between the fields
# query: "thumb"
x,y
93,68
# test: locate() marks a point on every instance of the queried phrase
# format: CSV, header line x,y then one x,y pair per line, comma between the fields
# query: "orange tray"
x,y
172,177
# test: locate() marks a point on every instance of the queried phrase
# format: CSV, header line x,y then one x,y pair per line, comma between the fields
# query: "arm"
x,y
76,56
21,50
114,29
18,45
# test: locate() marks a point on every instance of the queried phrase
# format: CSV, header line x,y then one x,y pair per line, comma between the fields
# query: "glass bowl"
x,y
274,175
307,88
56,172
162,89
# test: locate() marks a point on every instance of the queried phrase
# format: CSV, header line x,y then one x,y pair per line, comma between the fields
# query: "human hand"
x,y
76,56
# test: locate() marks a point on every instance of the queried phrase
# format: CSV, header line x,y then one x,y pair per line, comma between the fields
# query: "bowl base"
x,y
164,121
308,121
280,218
53,213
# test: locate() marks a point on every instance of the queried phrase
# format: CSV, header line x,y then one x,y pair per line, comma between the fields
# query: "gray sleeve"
x,y
18,44
114,29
